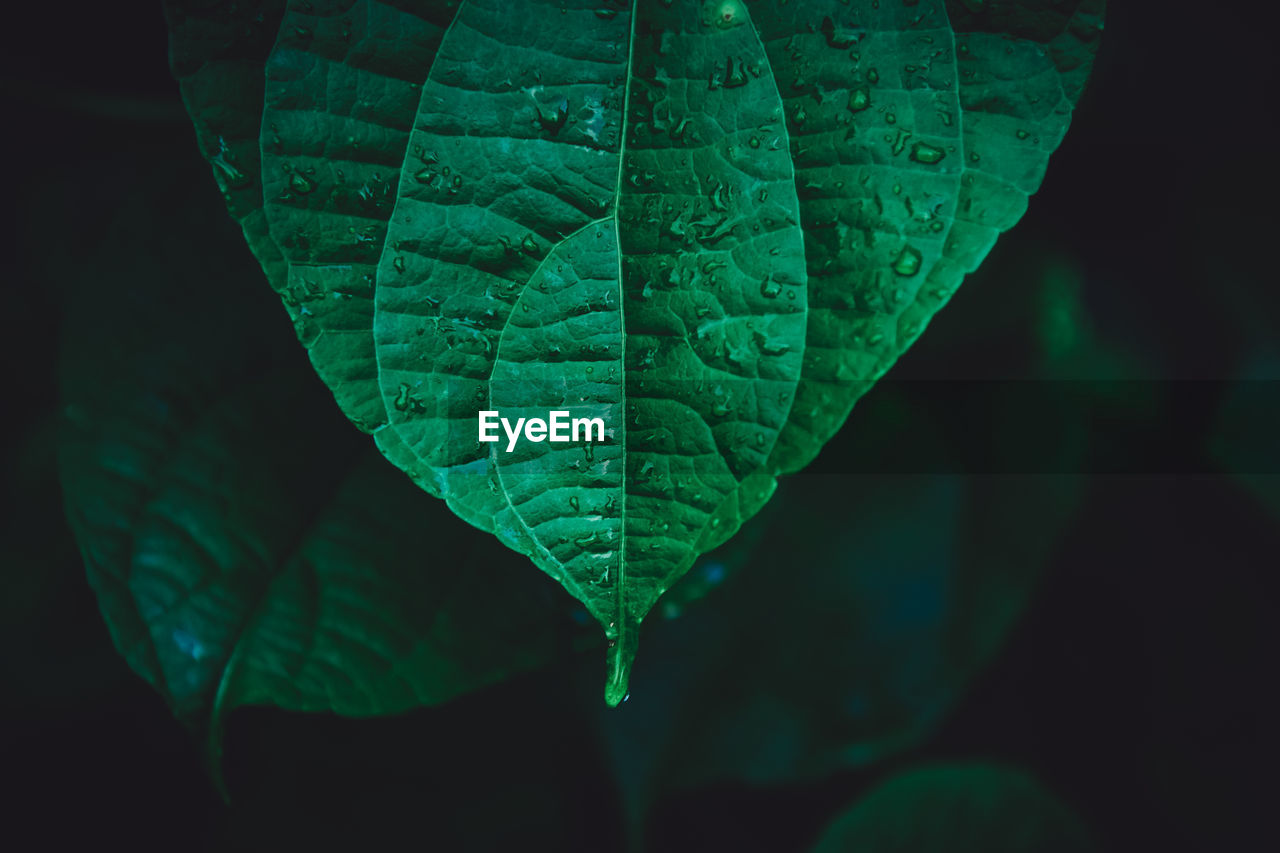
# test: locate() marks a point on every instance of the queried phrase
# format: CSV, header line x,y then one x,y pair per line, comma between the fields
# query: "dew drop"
x,y
923,152
301,184
859,99
908,261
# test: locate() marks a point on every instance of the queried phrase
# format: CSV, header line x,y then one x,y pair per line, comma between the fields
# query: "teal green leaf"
x,y
342,84
712,225
245,545
947,808
216,53
907,190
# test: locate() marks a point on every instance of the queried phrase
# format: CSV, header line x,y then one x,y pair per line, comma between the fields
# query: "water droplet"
x,y
768,347
838,37
406,402
300,183
307,330
718,200
859,99
923,152
908,261
899,142
735,74
724,14
555,118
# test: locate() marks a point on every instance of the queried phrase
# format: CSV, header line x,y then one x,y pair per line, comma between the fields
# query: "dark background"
x,y
1137,685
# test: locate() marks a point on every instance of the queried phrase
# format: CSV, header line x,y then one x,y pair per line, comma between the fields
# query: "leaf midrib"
x,y
617,665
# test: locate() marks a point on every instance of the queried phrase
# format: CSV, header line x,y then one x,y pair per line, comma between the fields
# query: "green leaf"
x,y
713,225
953,807
246,546
277,90
342,85
216,53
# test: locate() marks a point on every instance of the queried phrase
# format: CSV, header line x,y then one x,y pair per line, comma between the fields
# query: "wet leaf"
x,y
713,226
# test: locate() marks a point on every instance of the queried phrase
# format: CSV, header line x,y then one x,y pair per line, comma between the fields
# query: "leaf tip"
x,y
620,656
615,693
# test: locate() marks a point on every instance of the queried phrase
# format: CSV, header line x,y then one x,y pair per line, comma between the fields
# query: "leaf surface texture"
x,y
714,225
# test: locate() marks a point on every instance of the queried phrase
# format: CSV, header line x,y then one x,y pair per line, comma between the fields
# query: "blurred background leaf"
x,y
1246,439
859,608
245,545
954,808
